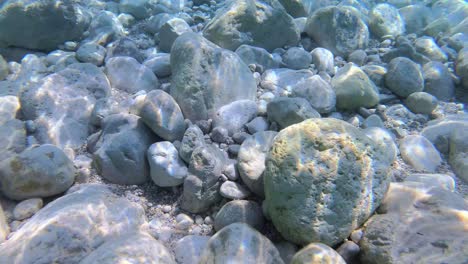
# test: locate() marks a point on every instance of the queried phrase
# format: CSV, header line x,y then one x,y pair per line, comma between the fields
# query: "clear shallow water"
x,y
193,114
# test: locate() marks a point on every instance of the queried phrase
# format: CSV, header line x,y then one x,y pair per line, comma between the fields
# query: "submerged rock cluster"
x,y
238,131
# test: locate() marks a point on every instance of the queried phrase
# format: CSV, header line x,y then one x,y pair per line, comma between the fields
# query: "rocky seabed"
x,y
239,131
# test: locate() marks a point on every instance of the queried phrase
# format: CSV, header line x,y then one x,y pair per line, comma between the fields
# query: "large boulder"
x,y
40,171
84,219
61,104
229,246
119,154
263,24
323,179
42,24
431,221
354,89
338,29
206,77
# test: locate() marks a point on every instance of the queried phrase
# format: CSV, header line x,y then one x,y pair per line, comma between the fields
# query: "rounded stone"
x,y
233,190
248,212
166,167
27,208
421,103
39,171
419,152
92,53
127,74
404,77
323,179
384,19
162,114
354,89
338,29
296,58
229,246
317,253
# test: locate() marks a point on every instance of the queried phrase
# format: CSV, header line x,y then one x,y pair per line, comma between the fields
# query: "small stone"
x,y
219,134
240,137
258,124
230,171
323,60
198,220
166,209
349,251
208,220
421,103
91,53
233,190
184,222
358,57
27,208
297,58
356,235
234,149
373,121
166,167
